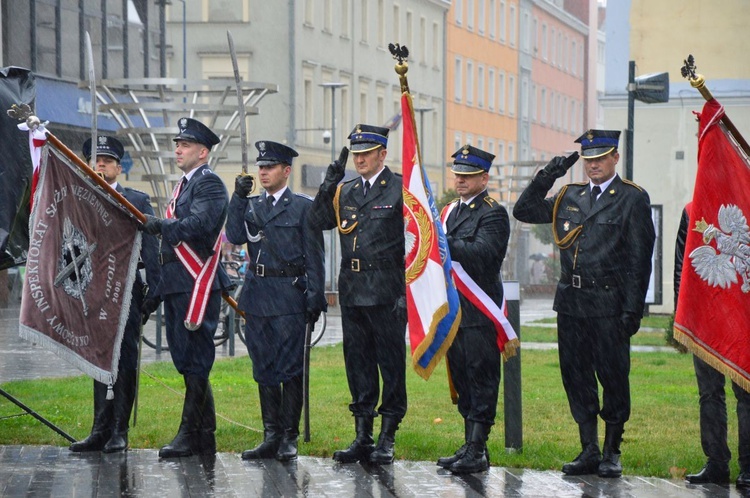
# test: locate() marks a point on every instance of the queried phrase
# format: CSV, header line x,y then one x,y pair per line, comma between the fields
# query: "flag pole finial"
x,y
401,54
696,80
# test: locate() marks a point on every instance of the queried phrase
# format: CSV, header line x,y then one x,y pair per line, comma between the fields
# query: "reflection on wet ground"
x,y
54,471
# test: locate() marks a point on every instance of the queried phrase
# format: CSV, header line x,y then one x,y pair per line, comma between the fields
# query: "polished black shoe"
x,y
610,465
474,460
287,448
743,480
713,473
266,449
587,462
446,462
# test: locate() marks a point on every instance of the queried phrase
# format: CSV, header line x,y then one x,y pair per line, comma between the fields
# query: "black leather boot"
x,y
270,411
291,410
122,406
713,473
101,430
383,453
446,462
206,444
187,434
588,460
362,445
611,466
475,458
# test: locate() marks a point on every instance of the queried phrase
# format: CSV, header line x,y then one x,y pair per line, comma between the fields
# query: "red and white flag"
x,y
37,139
712,318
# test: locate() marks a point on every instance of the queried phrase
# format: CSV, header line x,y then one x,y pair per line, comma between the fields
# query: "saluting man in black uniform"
x,y
192,297
604,230
368,212
283,290
109,432
477,229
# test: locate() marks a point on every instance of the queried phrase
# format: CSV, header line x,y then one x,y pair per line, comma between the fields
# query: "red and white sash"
x,y
507,340
202,272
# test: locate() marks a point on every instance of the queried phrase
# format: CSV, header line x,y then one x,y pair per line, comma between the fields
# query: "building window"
x,y
532,103
457,141
511,152
482,20
459,7
364,22
345,6
501,93
525,32
470,15
363,103
309,12
552,48
396,22
502,21
511,95
436,48
457,80
409,29
469,83
500,157
423,40
480,86
381,23
491,89
493,19
574,58
551,108
544,42
560,53
543,106
327,16
512,28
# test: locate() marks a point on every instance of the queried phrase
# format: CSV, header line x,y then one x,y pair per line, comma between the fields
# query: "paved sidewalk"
x,y
53,471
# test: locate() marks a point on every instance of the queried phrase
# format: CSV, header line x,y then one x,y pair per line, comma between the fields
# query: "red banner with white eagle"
x,y
80,268
711,318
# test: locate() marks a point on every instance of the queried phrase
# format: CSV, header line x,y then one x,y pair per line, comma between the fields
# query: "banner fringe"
x,y
701,351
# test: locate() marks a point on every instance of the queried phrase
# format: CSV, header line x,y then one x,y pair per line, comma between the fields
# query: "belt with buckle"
x,y
357,265
261,270
585,282
167,257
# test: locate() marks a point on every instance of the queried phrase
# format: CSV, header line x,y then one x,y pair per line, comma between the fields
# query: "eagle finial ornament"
x,y
719,267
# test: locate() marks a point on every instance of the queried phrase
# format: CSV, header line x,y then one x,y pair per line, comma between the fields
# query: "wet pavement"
x,y
55,471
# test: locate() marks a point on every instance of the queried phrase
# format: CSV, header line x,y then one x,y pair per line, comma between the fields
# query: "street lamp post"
x,y
333,85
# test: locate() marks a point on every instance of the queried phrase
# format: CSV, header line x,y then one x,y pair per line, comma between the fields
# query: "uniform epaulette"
x,y
304,196
489,200
134,190
398,174
632,184
581,184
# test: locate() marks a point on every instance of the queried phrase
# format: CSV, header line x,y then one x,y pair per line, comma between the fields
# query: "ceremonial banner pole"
x,y
306,381
698,82
92,87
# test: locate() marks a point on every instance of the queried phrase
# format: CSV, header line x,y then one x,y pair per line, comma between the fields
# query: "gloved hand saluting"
x,y
152,225
559,165
336,171
244,184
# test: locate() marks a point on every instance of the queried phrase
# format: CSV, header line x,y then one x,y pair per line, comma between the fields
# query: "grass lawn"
x,y
661,439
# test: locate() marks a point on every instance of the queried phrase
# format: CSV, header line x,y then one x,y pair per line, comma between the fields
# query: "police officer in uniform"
x,y
477,229
368,213
109,432
283,290
194,219
605,234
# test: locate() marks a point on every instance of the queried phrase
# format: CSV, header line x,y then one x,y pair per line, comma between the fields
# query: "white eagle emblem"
x,y
720,268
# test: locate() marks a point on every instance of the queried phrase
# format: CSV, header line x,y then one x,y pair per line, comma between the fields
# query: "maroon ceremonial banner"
x,y
81,264
712,318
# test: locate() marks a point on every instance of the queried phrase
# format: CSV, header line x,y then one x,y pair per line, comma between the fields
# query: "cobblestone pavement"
x,y
53,471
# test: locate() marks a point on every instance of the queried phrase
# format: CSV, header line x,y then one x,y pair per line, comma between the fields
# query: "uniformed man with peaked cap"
x,y
284,290
190,239
477,229
605,234
368,213
109,432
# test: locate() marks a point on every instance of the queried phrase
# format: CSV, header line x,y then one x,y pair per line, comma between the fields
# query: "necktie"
x,y
594,194
269,202
367,188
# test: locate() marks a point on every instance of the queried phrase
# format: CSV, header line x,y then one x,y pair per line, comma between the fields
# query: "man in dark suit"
x,y
191,283
368,212
712,401
283,290
605,234
109,432
477,229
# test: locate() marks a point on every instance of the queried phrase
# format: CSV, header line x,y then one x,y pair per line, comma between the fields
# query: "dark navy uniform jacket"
x,y
375,246
200,212
288,243
478,239
149,243
611,254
